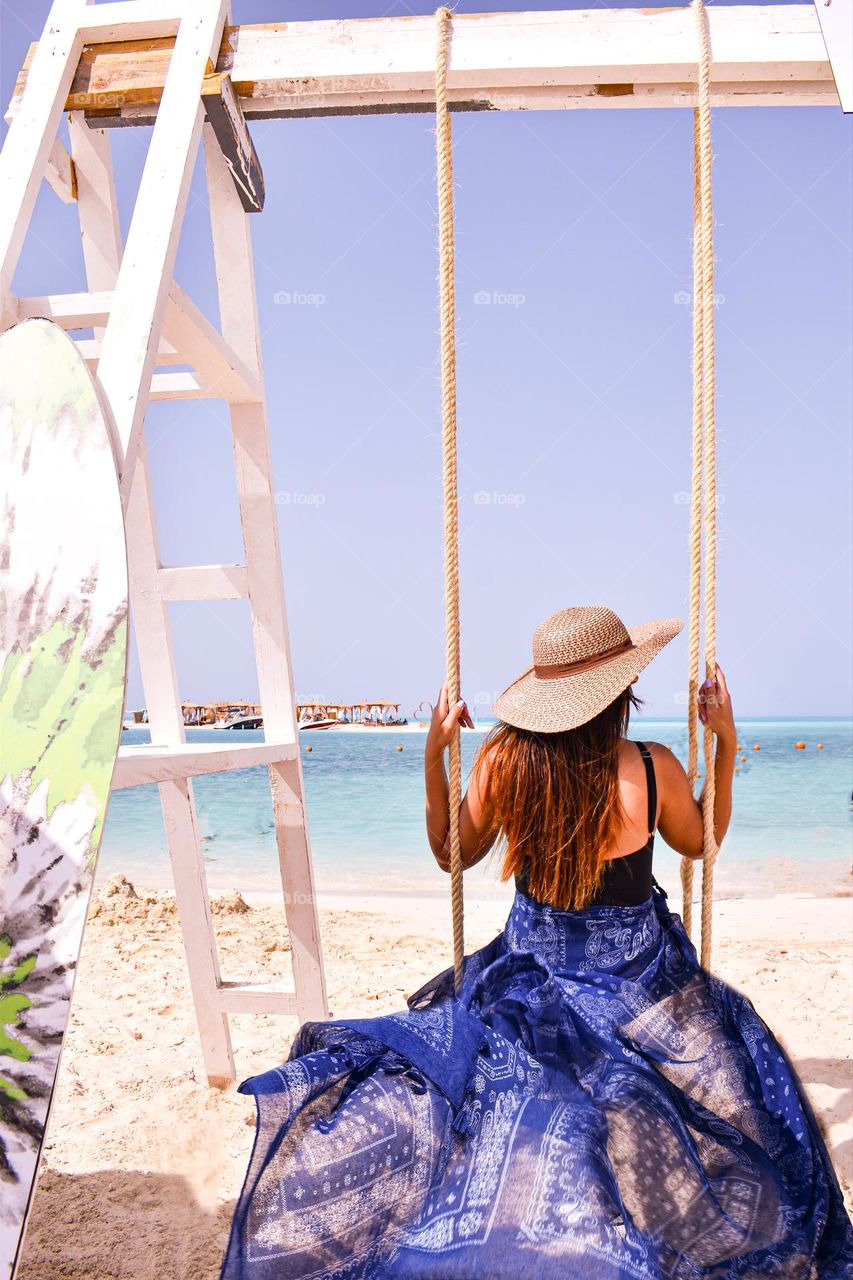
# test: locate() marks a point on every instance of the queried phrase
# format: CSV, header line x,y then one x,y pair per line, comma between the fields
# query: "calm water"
x,y
791,827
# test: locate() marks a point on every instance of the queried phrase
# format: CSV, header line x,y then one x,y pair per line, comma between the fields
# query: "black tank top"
x,y
627,880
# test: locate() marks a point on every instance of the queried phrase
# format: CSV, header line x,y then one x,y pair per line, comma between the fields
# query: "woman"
x,y
592,1103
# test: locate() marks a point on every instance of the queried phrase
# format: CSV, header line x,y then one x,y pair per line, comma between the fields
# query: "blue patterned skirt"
x,y
592,1104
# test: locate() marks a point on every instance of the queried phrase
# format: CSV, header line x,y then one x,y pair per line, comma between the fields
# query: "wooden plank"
x,y
133,329
131,20
181,386
232,250
228,122
836,25
189,330
90,350
204,582
499,61
59,173
29,142
256,997
141,764
70,310
182,833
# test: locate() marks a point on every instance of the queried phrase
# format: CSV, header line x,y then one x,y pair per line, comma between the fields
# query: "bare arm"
x,y
474,838
680,821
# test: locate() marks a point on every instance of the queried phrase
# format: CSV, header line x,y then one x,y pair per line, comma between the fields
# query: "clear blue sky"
x,y
574,411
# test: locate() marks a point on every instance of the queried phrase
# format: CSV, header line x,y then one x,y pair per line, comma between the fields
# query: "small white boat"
x,y
318,724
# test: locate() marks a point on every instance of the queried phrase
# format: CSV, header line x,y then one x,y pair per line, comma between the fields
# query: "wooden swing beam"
x,y
768,55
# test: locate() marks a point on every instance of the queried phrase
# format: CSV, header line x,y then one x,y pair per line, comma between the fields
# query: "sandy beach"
x,y
144,1162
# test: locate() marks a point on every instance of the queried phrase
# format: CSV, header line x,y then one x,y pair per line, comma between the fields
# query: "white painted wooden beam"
x,y
256,997
190,332
141,764
836,24
762,55
29,142
233,259
90,350
69,310
59,173
147,265
204,582
122,20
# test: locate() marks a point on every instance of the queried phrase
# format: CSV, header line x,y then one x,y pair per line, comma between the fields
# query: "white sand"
x,y
144,1162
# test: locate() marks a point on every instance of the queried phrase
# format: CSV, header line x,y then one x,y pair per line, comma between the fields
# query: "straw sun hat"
x,y
583,658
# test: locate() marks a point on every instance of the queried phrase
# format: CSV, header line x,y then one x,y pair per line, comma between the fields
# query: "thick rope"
x,y
705,286
695,524
447,315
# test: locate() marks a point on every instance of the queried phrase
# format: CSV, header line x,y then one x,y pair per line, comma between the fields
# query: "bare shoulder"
x,y
668,767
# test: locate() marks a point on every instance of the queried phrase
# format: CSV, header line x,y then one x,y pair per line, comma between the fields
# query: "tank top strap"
x,y
651,788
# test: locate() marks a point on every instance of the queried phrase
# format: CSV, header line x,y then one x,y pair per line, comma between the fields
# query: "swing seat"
x,y
592,1103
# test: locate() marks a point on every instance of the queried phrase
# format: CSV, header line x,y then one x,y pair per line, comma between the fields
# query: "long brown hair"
x,y
553,801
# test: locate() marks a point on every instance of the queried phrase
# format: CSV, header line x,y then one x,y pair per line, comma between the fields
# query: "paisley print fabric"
x,y
592,1104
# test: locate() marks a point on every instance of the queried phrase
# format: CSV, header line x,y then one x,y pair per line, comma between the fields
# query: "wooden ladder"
x,y
143,322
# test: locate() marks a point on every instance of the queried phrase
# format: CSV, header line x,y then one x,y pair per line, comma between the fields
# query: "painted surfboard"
x,y
63,662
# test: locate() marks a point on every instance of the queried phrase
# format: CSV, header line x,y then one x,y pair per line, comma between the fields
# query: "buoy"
x,y
757,746
739,747
737,768
399,748
743,759
309,748
800,746
820,746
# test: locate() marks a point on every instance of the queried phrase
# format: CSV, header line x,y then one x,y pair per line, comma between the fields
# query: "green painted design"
x,y
64,710
12,1005
11,1090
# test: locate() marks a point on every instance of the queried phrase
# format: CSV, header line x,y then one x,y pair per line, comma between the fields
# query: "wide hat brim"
x,y
553,705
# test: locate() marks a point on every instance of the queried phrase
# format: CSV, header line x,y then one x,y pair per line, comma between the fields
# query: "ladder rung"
x,y
205,582
144,763
256,997
68,310
90,350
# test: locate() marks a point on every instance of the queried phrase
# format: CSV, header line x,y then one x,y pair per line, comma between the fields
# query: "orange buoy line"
x,y
799,746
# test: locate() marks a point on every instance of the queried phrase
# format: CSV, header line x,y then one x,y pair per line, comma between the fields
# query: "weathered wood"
x,y
763,55
204,582
228,122
144,763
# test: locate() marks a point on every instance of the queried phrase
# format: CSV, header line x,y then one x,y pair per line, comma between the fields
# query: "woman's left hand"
x,y
444,721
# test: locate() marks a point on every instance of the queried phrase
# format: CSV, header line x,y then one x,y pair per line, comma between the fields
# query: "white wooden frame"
x,y
143,322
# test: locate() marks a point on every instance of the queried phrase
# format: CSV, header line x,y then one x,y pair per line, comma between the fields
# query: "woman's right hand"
x,y
715,707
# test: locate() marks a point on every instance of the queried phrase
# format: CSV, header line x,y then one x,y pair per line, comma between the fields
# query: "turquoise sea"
x,y
791,828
